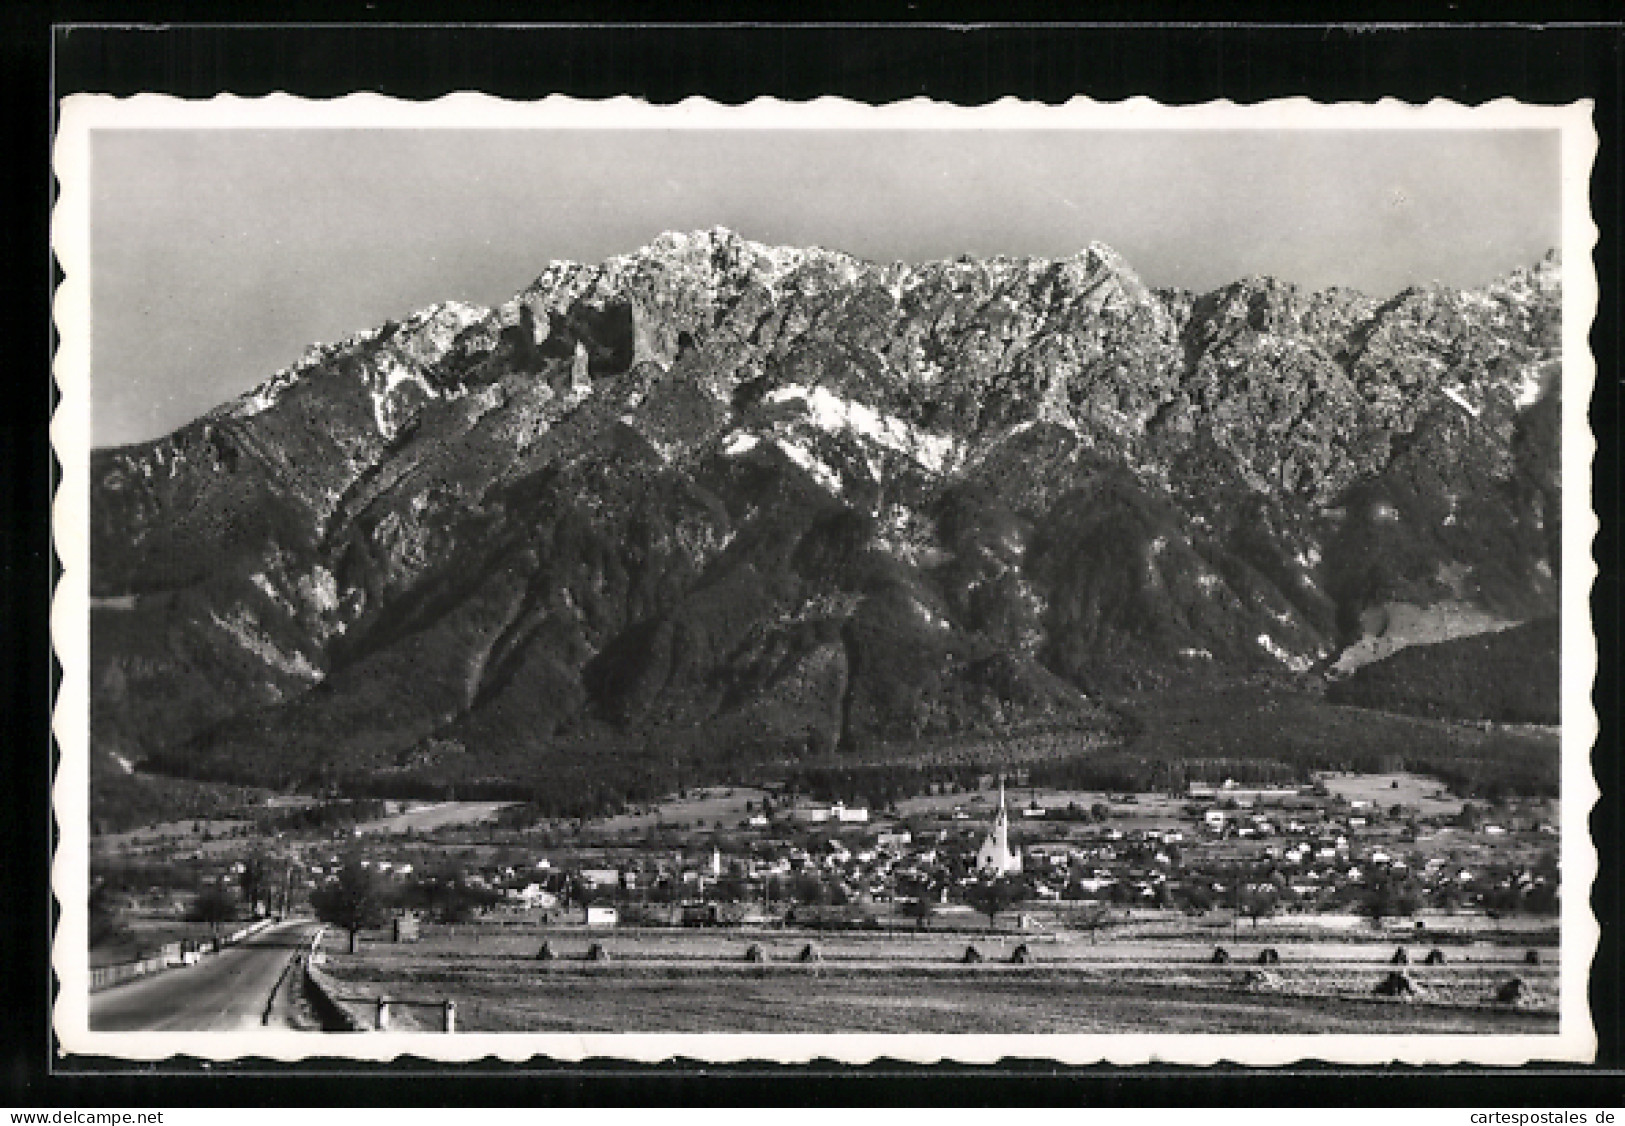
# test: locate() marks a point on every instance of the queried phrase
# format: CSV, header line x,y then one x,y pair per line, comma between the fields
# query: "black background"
x,y
51,50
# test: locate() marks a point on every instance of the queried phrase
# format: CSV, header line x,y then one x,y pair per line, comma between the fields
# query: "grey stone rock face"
x,y
788,499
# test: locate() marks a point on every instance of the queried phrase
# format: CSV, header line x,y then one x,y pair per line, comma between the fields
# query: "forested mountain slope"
x,y
739,502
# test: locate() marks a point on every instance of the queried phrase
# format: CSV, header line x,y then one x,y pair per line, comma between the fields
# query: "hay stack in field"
x,y
1269,956
1257,979
1023,956
1400,958
1532,958
597,953
1396,984
756,953
810,953
545,954
1220,956
972,956
1512,991
1435,957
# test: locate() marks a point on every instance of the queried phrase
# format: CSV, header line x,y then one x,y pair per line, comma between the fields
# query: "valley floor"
x,y
701,981
987,1005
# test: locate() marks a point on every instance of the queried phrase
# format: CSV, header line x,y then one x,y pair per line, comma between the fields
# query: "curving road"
x,y
221,993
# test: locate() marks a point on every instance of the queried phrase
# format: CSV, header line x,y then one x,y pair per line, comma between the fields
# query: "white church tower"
x,y
995,856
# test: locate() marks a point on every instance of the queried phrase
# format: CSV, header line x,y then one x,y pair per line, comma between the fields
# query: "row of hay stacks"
x,y
1023,954
1269,956
810,953
597,952
1400,984
1020,956
1435,957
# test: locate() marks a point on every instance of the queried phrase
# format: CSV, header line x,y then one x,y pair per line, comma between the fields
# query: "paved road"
x,y
221,993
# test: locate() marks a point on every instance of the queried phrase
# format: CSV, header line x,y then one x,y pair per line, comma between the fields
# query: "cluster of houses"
x,y
1301,850
1294,847
1297,850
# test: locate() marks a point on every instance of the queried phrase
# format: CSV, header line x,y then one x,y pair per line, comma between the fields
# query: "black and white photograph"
x,y
577,579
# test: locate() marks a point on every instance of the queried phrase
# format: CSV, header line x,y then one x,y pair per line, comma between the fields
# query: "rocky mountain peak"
x,y
1544,278
780,497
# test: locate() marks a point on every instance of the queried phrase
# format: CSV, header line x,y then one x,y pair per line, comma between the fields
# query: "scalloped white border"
x,y
70,620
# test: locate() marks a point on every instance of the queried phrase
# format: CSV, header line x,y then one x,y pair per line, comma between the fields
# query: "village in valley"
x,y
1332,890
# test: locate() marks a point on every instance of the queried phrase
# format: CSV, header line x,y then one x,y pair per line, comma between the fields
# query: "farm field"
x,y
1148,807
728,806
714,806
684,981
984,1003
1426,795
428,816
206,836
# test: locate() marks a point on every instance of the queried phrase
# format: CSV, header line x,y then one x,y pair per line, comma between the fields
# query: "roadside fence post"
x,y
451,1015
383,1014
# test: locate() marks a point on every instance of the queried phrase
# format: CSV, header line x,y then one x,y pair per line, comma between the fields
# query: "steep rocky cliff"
x,y
777,500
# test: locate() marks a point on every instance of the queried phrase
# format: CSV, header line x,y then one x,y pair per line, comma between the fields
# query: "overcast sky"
x,y
218,255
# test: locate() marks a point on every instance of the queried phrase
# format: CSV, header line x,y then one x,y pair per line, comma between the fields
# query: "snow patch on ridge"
x,y
320,590
740,442
1290,660
383,407
267,588
257,401
1534,381
240,628
425,338
1454,394
832,413
805,458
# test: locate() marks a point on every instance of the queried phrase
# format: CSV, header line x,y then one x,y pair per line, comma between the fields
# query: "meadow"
x,y
706,981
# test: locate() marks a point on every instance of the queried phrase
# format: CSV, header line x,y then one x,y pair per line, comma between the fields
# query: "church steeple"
x,y
995,854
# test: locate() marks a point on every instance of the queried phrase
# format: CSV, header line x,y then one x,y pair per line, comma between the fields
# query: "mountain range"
x,y
713,503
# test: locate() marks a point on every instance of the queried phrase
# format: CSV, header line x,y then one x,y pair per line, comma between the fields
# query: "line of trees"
x,y
357,900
